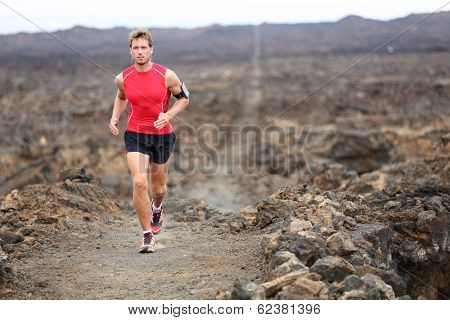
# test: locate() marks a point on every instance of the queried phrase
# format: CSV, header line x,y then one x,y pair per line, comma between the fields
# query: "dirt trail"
x,y
94,260
253,90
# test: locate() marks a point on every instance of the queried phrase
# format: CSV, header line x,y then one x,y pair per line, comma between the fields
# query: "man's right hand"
x,y
113,126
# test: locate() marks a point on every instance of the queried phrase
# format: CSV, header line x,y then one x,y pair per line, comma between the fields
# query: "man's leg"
x,y
138,164
159,174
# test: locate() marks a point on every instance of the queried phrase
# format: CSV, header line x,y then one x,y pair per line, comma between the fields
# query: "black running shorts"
x,y
157,146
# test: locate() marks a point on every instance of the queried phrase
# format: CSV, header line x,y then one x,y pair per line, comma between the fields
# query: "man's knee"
x,y
159,190
140,183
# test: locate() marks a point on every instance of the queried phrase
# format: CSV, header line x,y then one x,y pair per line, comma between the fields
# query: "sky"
x,y
53,15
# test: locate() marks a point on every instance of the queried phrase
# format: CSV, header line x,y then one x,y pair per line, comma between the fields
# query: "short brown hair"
x,y
140,33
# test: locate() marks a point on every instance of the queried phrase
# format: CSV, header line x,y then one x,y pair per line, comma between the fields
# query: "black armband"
x,y
183,94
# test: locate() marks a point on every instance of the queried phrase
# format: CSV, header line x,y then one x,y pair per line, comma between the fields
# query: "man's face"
x,y
140,51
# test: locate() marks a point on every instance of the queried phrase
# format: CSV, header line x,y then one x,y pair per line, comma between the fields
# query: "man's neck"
x,y
144,67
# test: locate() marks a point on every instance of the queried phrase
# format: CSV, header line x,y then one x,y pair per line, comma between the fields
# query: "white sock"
x,y
146,231
156,208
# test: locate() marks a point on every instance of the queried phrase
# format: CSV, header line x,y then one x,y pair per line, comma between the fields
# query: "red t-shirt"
x,y
148,97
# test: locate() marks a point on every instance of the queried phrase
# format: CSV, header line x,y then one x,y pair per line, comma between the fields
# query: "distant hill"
x,y
350,34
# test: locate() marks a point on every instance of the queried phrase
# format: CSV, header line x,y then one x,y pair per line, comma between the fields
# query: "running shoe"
x,y
157,220
148,242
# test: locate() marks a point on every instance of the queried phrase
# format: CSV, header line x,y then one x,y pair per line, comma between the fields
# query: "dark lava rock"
x,y
247,291
351,282
2,264
78,174
385,291
10,237
332,268
308,246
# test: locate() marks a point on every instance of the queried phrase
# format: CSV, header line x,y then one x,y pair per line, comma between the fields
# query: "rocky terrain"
x,y
283,184
391,244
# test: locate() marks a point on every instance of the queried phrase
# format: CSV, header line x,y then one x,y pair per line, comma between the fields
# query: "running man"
x,y
149,137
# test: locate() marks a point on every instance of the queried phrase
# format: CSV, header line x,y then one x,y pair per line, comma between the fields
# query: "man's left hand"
x,y
163,119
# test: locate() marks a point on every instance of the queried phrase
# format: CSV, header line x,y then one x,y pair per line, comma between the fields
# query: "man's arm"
x,y
119,105
173,84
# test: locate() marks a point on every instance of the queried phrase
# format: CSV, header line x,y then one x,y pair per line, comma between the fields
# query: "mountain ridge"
x,y
349,34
